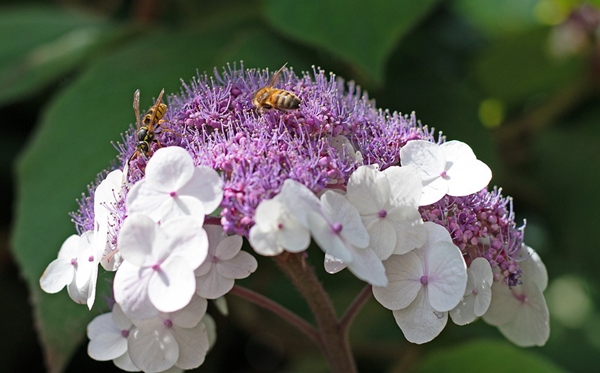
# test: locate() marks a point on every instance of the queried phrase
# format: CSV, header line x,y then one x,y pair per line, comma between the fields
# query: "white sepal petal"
x,y
419,322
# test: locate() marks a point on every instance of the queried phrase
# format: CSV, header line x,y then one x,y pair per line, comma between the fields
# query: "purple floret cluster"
x,y
256,151
482,225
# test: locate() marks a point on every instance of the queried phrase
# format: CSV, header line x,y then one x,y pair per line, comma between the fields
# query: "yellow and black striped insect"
x,y
146,127
272,98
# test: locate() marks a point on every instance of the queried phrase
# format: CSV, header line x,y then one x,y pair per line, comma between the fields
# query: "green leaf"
x,y
361,32
41,44
486,356
497,18
518,67
72,145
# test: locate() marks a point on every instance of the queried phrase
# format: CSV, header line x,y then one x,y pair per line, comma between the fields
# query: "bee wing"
x,y
155,107
136,107
276,76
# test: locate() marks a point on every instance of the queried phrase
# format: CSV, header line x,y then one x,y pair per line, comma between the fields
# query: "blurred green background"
x,y
515,79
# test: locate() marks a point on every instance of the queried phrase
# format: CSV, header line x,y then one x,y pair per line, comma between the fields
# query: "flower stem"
x,y
279,310
332,337
355,306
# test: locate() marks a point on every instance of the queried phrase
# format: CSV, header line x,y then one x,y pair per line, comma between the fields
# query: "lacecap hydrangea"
x,y
398,205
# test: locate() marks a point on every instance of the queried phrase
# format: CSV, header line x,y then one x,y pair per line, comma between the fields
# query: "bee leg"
x,y
161,122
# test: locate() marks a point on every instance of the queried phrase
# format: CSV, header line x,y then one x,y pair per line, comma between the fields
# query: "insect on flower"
x,y
146,128
268,97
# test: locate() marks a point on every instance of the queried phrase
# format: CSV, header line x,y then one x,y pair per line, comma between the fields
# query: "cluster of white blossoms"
x,y
376,231
403,210
167,265
168,262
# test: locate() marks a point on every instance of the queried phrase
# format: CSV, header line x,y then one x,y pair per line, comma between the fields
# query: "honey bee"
x,y
268,97
146,127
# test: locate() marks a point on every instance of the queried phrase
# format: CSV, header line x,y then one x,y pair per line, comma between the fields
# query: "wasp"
x,y
146,127
268,97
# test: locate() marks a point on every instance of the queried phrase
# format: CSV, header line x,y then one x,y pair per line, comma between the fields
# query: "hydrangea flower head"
x,y
400,208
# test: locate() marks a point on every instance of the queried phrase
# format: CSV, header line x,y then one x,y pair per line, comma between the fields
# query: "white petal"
x,y
137,238
409,229
131,291
212,285
171,288
530,325
107,347
457,151
298,198
406,185
368,190
478,294
69,248
87,260
119,318
124,362
465,174
329,241
276,229
436,233
403,273
86,275
221,305
447,276
187,240
191,315
58,274
215,234
292,236
419,322
241,266
106,340
426,157
433,191
193,345
101,324
338,209
463,313
468,178
533,267
229,247
153,351
78,295
206,185
177,206
169,169
142,198
482,273
264,242
367,266
211,329
503,306
383,237
92,287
